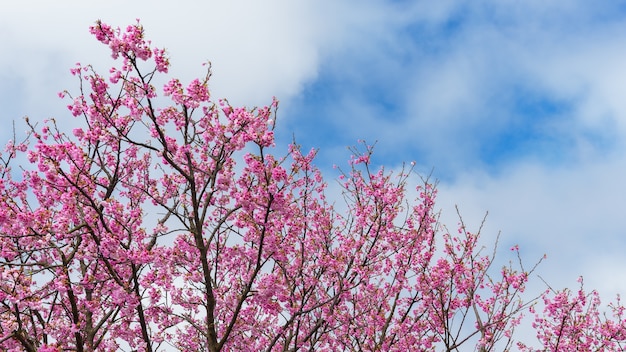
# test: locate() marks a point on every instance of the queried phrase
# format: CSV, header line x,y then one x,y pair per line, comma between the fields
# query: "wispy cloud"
x,y
474,83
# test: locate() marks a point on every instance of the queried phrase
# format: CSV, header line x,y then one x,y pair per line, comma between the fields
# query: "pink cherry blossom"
x,y
167,221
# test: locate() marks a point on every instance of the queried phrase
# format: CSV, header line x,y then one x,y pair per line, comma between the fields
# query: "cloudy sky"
x,y
517,107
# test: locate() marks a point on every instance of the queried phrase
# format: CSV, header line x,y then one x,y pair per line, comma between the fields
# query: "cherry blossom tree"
x,y
575,321
167,222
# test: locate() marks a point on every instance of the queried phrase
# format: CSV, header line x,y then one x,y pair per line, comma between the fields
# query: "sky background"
x,y
517,107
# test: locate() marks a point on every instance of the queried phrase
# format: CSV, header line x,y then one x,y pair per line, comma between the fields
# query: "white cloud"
x,y
573,214
258,49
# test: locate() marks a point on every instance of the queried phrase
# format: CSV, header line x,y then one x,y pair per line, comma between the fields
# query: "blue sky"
x,y
519,107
